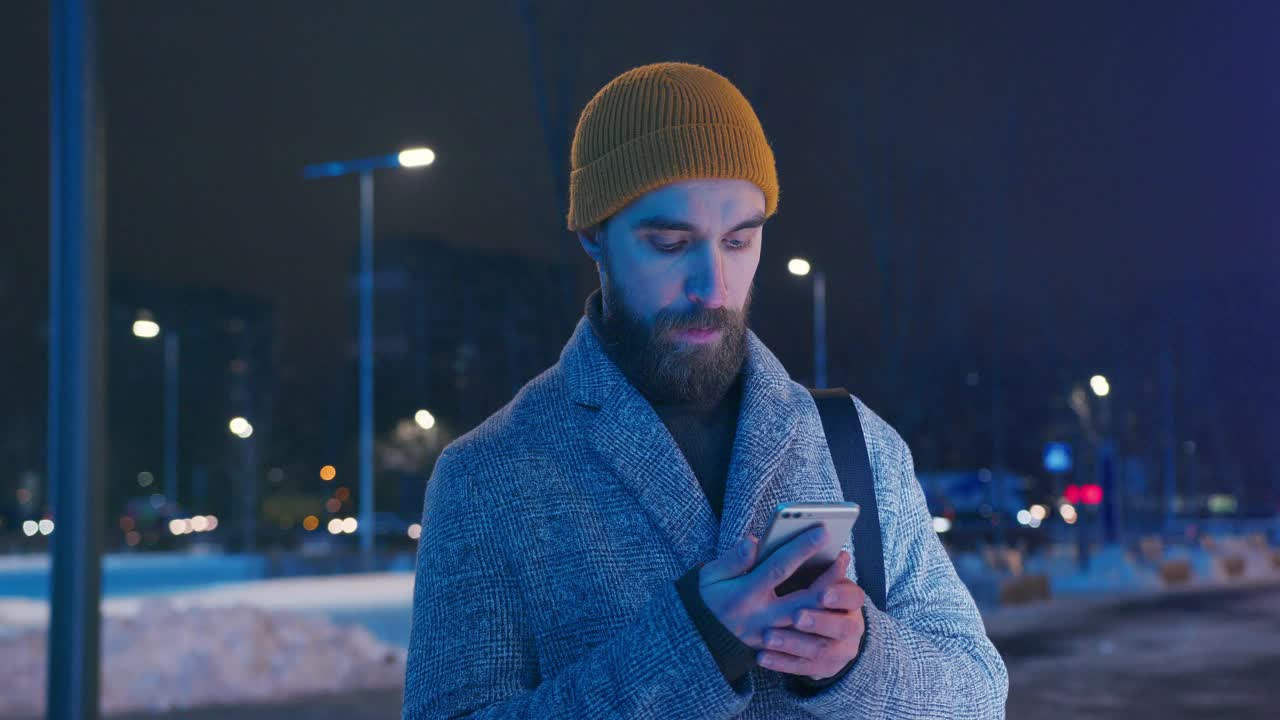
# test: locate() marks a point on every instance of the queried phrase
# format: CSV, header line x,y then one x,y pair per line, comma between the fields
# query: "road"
x,y
1213,654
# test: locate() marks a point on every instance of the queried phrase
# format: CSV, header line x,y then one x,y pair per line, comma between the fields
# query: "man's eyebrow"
x,y
659,222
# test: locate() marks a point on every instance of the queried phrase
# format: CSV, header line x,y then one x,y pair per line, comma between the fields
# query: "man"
x,y
590,549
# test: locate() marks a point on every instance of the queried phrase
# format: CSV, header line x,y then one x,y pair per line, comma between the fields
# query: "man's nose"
x,y
706,284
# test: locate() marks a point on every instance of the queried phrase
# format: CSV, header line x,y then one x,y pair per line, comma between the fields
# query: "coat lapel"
x,y
630,439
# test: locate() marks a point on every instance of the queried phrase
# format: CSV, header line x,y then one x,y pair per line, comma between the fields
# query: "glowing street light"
x,y
425,420
240,427
798,266
416,157
145,326
1100,386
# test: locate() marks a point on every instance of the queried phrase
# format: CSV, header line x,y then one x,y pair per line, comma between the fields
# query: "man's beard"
x,y
662,367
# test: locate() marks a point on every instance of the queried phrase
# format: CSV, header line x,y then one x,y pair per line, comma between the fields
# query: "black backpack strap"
x,y
849,454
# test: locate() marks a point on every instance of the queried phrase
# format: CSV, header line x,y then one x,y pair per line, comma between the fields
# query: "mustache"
x,y
700,318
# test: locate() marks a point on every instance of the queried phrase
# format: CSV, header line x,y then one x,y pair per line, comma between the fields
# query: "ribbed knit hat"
x,y
658,124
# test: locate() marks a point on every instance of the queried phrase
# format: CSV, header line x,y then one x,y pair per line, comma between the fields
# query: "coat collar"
x,y
631,439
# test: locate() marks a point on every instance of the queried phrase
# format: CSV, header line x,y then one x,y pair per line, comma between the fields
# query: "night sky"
x,y
1042,192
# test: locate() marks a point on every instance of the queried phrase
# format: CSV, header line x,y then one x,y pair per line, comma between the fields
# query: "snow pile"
x,y
1111,569
168,657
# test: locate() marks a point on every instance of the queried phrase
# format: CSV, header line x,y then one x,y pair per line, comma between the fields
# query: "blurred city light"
x,y
144,326
1057,457
46,527
1024,517
1091,494
1039,512
335,526
240,427
415,531
941,524
1100,386
333,505
328,472
798,266
310,522
1068,513
30,528
1221,504
425,420
145,479
416,157
132,538
197,524
349,525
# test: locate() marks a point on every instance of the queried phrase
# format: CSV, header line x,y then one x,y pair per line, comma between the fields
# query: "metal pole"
x,y
819,329
77,360
366,367
249,474
171,416
1169,466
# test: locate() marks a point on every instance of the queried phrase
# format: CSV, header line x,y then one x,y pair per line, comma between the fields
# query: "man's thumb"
x,y
737,561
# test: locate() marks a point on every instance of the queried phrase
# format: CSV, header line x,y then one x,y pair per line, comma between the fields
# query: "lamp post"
x,y
1101,388
147,328
364,167
243,429
802,267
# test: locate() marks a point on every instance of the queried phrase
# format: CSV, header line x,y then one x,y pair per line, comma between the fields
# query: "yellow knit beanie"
x,y
658,124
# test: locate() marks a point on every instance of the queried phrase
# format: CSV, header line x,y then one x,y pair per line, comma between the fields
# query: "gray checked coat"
x,y
553,532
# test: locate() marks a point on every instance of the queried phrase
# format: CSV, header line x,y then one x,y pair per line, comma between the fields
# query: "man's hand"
x,y
820,641
746,604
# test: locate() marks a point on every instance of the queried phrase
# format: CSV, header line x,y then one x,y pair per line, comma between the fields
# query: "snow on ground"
x,y
242,642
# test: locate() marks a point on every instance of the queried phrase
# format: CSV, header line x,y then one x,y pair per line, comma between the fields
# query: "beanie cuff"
x,y
682,152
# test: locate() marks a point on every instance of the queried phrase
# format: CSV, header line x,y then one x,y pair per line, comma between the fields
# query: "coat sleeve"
x,y
929,655
472,653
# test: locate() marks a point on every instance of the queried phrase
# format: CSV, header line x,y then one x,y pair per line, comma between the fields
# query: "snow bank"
x,y
167,657
241,642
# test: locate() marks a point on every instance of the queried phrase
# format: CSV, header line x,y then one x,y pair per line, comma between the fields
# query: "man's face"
x,y
677,259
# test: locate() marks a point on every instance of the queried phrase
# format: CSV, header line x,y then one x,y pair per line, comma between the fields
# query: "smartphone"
x,y
791,519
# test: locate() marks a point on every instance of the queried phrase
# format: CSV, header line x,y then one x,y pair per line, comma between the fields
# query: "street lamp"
x,y
147,328
801,267
240,428
1100,386
364,167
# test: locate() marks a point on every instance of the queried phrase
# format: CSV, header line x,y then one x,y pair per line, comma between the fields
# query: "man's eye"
x,y
668,248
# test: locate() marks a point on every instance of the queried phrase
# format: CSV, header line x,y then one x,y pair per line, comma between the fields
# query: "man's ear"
x,y
591,239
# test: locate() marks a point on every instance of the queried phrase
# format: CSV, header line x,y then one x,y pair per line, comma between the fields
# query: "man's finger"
x,y
843,596
834,573
784,561
731,564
